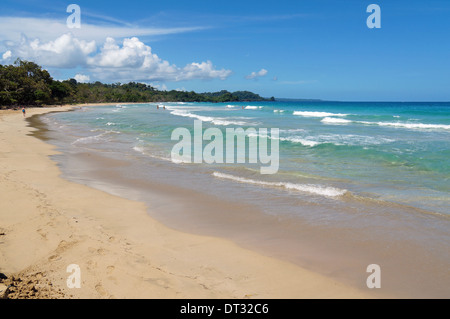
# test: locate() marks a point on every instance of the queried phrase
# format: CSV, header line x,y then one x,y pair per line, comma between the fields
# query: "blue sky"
x,y
319,49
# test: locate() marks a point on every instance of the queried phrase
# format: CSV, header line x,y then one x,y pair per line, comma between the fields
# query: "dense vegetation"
x,y
27,84
237,96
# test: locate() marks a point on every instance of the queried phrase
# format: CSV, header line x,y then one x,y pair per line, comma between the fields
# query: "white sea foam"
x,y
292,139
90,139
293,130
312,189
338,139
352,139
96,138
141,149
300,140
316,114
278,111
214,120
231,106
410,125
333,120
253,107
189,108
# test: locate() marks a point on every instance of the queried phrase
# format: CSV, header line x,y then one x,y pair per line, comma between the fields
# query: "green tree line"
x,y
26,84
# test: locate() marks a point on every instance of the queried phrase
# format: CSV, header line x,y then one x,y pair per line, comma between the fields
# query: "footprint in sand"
x,y
54,258
99,288
91,264
42,233
161,282
110,269
99,251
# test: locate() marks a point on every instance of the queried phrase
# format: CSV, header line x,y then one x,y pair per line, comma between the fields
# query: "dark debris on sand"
x,y
28,286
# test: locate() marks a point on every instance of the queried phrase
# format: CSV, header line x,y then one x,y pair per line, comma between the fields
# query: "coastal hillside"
x,y
27,83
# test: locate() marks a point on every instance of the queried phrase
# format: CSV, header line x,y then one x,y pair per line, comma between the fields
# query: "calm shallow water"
x,y
373,174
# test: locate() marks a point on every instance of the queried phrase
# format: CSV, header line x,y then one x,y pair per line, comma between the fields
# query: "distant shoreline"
x,y
16,108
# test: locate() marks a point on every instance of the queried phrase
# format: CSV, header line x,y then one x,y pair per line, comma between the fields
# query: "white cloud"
x,y
132,54
81,78
64,52
160,87
135,61
7,55
258,74
12,28
204,70
130,60
50,43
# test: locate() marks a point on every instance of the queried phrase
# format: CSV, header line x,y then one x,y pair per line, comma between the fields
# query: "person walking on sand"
x,y
23,112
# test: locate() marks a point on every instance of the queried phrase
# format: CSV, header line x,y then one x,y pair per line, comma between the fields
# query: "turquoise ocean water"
x,y
395,152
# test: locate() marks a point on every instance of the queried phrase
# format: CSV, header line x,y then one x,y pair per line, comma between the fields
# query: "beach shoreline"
x,y
49,223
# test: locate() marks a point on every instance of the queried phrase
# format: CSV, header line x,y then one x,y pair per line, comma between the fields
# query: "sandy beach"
x,y
48,223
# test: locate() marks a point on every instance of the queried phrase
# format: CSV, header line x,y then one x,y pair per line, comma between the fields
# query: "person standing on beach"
x,y
23,112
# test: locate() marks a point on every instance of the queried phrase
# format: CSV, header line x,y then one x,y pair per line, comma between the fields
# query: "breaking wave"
x,y
308,188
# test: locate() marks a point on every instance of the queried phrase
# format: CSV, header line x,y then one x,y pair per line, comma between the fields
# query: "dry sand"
x,y
48,223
